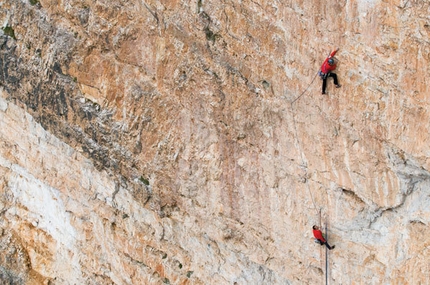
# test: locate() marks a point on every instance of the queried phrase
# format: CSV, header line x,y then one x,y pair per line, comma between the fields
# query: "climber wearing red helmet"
x,y
326,71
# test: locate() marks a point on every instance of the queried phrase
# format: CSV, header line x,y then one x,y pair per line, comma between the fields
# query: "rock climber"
x,y
319,236
326,71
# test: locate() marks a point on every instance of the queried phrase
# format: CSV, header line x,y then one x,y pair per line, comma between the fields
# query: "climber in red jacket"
x,y
319,236
326,71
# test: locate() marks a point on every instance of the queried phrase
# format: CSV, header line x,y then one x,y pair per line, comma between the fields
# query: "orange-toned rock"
x,y
189,143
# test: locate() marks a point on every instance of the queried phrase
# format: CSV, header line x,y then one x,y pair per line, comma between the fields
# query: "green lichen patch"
x,y
8,31
211,36
144,180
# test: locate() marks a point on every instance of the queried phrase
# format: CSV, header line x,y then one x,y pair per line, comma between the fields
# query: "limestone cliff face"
x,y
187,142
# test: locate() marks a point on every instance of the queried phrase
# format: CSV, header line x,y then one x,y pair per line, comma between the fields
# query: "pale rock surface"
x,y
151,142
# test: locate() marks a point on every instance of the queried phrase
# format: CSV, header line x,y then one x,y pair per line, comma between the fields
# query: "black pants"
x,y
326,244
325,81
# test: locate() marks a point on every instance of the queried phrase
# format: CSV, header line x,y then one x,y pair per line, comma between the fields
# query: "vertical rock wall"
x,y
187,142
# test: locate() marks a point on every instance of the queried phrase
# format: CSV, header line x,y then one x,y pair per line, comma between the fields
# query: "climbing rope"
x,y
326,255
312,196
318,210
298,144
295,129
305,89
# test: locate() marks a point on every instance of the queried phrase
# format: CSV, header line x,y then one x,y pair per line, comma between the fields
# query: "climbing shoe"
x,y
338,86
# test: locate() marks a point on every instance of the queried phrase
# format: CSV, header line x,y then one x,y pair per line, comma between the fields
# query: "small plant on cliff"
x,y
189,273
265,84
211,36
8,31
166,281
144,181
34,2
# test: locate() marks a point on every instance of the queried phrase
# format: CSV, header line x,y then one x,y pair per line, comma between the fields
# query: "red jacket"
x,y
325,67
318,235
